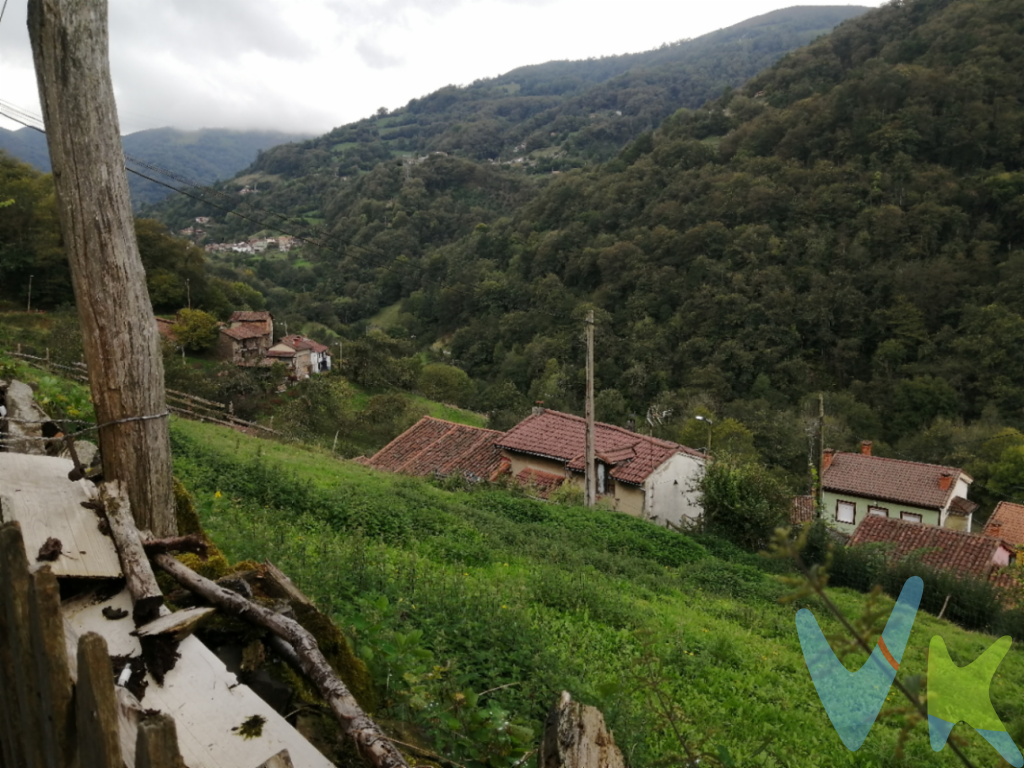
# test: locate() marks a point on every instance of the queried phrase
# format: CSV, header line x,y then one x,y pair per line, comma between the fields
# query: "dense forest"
x,y
847,222
202,156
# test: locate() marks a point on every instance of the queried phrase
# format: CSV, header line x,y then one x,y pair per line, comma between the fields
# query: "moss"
x,y
214,567
185,511
335,647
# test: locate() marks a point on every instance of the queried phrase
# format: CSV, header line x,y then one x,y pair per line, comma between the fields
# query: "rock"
x,y
22,407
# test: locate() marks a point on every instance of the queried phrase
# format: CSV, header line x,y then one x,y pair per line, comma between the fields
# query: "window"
x,y
601,476
878,511
846,512
910,517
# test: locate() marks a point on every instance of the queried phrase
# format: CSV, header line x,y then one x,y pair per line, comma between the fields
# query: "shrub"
x,y
742,503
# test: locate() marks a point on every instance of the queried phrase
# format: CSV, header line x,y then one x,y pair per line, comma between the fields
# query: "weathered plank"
x,y
37,493
138,573
179,625
10,714
157,746
19,635
206,701
96,716
52,670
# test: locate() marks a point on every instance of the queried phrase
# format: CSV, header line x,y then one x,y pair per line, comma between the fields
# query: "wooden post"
x,y
11,746
26,705
157,743
590,492
821,455
99,744
58,737
122,346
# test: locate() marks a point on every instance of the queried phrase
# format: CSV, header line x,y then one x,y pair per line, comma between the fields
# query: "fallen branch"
x,y
193,543
373,746
138,573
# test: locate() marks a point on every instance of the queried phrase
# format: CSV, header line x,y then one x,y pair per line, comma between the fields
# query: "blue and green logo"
x,y
854,699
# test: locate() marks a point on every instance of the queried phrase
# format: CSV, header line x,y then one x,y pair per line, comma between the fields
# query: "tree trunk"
x,y
575,737
122,346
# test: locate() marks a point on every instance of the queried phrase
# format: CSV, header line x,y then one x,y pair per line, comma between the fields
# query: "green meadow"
x,y
475,608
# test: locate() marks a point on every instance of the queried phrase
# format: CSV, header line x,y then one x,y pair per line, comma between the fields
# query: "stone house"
x,y
246,338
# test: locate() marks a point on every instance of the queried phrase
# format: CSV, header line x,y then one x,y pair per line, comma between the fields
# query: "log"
x,y
11,729
371,743
575,737
178,625
193,543
277,585
138,573
99,744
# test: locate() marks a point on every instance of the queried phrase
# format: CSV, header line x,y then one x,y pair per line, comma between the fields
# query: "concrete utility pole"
x,y
126,373
821,451
28,306
590,493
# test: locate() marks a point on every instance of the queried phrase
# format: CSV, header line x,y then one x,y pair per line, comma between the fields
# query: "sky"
x,y
310,65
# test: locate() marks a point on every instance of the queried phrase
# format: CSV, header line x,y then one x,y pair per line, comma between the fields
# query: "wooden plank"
x,y
146,595
180,624
10,714
206,700
157,746
96,715
19,635
52,670
37,494
278,585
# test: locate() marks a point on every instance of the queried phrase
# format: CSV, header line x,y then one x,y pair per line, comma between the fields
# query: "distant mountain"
x,y
203,156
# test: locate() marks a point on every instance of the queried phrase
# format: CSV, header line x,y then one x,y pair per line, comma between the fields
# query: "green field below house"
x,y
452,591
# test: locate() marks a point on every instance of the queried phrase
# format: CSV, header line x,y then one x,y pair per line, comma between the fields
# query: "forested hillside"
x,y
203,156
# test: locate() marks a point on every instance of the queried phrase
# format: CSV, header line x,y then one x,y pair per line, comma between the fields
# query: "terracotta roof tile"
x,y
875,477
562,436
962,507
244,331
802,511
1007,522
969,554
302,342
434,446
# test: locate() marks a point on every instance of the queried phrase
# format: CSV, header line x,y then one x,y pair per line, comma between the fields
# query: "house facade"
x,y
319,355
246,337
297,360
856,486
636,474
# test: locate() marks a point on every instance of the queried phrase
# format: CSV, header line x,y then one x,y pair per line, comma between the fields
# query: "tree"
x,y
742,503
445,383
195,330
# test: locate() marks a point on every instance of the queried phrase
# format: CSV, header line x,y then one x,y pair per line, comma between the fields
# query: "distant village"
x,y
197,234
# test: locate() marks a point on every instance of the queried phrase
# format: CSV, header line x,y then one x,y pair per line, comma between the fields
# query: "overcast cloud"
x,y
311,65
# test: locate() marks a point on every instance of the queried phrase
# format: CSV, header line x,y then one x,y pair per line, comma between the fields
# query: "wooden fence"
x,y
55,713
181,403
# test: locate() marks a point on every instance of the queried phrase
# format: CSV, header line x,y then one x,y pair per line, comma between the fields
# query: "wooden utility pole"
x,y
590,492
821,450
122,347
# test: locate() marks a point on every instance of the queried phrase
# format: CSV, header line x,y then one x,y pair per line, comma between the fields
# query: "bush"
x,y
742,503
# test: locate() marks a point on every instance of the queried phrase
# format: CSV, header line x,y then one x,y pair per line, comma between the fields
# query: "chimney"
x,y
826,459
994,529
945,480
865,447
538,410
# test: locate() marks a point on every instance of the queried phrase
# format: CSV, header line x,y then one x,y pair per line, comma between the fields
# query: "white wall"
x,y
671,490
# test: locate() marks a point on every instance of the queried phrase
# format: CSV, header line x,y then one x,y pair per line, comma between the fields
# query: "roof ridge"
x,y
899,461
640,436
931,529
459,424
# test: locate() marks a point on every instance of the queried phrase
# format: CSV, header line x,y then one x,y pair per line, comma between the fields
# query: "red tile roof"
x,y
244,316
544,483
802,511
968,554
1007,522
245,331
435,446
301,342
906,482
562,436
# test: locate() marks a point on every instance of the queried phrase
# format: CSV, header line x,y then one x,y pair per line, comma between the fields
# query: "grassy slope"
x,y
550,598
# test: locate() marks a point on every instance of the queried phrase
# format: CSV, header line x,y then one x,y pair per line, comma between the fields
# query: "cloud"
x,y
375,57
